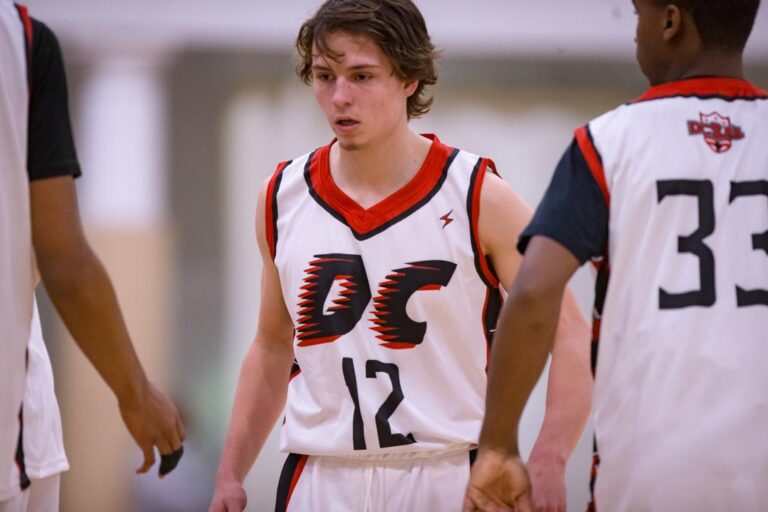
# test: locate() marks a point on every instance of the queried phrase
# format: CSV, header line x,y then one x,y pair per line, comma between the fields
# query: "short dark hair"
x,y
396,26
723,24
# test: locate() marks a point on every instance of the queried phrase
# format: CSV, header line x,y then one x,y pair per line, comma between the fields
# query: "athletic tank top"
x,y
393,307
16,257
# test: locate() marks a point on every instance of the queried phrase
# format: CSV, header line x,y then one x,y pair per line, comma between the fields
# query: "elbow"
x,y
65,269
533,295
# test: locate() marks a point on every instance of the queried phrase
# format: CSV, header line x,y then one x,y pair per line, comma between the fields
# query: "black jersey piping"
x,y
284,489
278,180
470,206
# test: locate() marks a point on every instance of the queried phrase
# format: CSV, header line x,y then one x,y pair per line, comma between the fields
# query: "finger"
x,y
164,445
149,458
478,500
169,462
173,439
180,429
468,505
523,504
235,505
498,506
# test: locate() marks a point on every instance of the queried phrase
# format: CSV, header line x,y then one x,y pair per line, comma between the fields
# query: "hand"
x,y
153,421
548,482
228,496
498,482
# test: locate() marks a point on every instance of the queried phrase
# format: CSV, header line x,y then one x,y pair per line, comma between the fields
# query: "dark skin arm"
x,y
83,295
522,343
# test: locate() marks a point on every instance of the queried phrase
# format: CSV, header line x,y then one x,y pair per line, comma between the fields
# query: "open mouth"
x,y
346,123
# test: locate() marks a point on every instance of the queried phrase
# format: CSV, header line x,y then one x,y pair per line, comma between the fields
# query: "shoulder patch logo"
x,y
718,131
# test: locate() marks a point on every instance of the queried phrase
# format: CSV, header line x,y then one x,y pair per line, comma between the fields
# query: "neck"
x,y
717,64
371,173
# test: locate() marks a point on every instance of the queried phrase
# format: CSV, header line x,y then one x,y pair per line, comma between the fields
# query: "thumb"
x,y
149,458
523,503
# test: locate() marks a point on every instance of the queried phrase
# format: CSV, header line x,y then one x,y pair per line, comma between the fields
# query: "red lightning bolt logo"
x,y
446,219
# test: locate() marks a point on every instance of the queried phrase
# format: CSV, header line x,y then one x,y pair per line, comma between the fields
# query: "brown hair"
x,y
396,26
723,24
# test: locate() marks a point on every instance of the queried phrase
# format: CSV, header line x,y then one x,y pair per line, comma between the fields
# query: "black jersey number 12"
x,y
387,438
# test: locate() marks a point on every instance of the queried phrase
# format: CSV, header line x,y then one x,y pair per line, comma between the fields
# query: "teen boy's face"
x,y
359,93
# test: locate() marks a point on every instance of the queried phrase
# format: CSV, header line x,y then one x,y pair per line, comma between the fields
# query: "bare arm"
x,y
83,295
525,334
503,216
569,400
262,387
524,337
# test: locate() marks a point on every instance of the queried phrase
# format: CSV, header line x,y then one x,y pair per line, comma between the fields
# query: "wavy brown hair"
x,y
396,26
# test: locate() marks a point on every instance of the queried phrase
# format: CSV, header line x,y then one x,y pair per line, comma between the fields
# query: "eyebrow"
x,y
357,67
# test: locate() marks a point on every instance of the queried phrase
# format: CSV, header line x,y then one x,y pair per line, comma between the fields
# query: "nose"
x,y
342,93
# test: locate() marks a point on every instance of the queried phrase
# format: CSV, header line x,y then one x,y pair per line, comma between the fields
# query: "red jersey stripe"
x,y
476,189
24,14
594,162
270,207
295,479
729,88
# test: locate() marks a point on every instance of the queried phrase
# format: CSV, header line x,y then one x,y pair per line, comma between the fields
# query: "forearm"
x,y
569,388
261,393
85,299
520,350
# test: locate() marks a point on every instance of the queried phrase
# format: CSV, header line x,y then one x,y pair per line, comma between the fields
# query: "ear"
x,y
409,86
673,22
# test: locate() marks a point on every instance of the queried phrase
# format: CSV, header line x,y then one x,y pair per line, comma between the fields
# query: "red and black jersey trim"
x,y
491,311
24,481
482,263
270,208
295,370
728,89
366,223
592,505
28,38
594,160
601,290
289,477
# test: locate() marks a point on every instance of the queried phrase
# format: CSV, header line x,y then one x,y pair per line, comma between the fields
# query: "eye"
x,y
362,77
323,76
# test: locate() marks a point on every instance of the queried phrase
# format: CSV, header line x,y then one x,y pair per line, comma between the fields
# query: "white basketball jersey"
x,y
393,308
16,257
43,440
681,391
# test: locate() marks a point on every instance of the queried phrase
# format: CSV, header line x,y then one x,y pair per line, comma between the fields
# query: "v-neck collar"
x,y
366,222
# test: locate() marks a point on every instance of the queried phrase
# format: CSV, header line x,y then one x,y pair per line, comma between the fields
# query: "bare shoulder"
x,y
503,212
503,216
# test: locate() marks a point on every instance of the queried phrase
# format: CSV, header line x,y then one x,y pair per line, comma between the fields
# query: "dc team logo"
x,y
324,319
718,131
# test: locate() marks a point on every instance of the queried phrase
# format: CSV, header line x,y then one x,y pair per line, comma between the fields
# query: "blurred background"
x,y
181,108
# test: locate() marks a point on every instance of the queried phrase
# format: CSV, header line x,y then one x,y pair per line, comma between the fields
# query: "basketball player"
x,y
670,195
38,210
384,253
